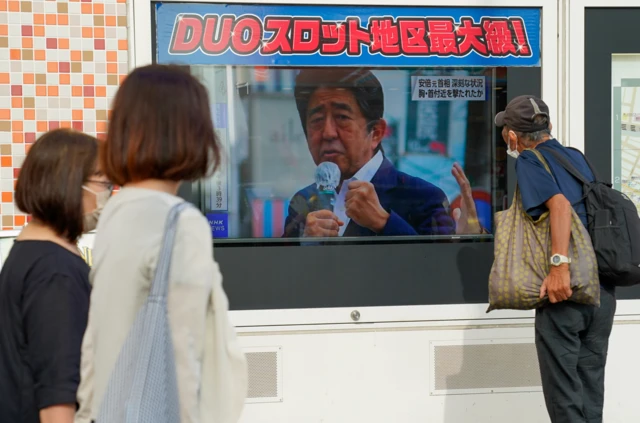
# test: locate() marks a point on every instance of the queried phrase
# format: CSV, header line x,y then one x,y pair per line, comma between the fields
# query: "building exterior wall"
x,y
60,65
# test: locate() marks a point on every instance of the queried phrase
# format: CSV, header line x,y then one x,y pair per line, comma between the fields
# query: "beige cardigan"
x,y
211,368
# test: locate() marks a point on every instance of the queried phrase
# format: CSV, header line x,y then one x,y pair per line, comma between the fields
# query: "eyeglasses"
x,y
107,185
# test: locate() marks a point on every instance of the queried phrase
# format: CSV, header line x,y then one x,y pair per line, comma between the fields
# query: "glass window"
x,y
626,124
399,129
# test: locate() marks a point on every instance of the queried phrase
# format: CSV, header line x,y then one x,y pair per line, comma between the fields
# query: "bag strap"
x,y
567,165
593,170
543,161
160,283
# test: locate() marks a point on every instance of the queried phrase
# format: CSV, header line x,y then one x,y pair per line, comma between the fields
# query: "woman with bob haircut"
x,y
44,283
159,135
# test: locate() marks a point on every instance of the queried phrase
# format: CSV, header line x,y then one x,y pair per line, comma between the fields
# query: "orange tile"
x,y
38,31
65,79
27,147
28,78
76,91
14,54
41,91
101,126
112,68
122,45
101,91
29,114
112,56
18,138
111,21
7,197
16,102
89,103
86,8
4,29
77,115
40,55
63,19
122,78
14,6
98,32
20,220
4,78
52,67
122,1
50,19
63,43
98,9
27,42
38,19
42,126
65,124
6,161
76,56
5,114
87,32
3,5
87,79
16,126
52,91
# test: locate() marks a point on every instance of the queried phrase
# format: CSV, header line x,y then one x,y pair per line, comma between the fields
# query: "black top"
x,y
44,305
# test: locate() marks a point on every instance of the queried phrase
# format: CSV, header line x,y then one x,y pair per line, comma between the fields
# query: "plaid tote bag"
x,y
143,386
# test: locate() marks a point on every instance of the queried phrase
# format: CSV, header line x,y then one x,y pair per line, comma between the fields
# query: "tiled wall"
x,y
60,65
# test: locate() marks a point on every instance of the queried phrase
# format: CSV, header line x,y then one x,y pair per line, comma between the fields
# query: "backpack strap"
x,y
160,282
593,170
566,164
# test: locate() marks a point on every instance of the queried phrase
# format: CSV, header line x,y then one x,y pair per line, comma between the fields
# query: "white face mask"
x,y
91,219
513,153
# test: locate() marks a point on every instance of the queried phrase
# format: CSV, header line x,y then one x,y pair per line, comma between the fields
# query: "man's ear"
x,y
377,133
513,139
550,126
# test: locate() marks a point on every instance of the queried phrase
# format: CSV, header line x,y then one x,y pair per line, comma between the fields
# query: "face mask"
x,y
513,153
91,219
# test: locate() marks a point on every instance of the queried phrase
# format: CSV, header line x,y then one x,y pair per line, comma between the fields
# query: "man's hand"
x,y
557,284
322,223
363,206
466,216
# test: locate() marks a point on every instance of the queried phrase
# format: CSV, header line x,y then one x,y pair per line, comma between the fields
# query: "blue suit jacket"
x,y
416,207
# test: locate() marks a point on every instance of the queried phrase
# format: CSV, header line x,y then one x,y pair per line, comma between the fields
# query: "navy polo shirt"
x,y
537,185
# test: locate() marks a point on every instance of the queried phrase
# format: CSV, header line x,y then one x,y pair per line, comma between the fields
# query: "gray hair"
x,y
534,138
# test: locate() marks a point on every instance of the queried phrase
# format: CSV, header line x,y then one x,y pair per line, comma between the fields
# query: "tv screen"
x,y
324,154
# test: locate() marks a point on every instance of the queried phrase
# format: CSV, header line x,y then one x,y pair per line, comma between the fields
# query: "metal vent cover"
x,y
265,374
486,366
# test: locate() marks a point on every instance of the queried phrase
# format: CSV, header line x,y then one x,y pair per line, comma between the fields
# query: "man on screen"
x,y
341,111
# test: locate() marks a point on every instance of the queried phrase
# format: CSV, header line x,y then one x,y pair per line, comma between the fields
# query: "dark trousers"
x,y
572,341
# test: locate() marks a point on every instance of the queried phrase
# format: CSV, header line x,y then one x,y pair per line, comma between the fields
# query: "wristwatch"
x,y
558,259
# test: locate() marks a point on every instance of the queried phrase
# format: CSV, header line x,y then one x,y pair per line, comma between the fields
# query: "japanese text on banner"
x,y
448,88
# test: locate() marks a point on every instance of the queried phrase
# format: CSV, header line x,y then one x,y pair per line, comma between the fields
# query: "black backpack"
x,y
614,226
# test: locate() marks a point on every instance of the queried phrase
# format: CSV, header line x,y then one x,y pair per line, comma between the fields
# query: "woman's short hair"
x,y
49,186
160,128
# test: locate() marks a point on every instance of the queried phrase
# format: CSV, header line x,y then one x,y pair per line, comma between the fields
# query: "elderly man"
x,y
341,111
571,339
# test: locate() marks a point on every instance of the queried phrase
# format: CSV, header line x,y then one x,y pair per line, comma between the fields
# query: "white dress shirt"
x,y
365,174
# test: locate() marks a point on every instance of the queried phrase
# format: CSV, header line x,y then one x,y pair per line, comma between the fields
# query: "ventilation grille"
x,y
485,367
265,370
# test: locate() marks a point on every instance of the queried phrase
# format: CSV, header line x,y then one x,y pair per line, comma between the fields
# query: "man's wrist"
x,y
381,222
564,267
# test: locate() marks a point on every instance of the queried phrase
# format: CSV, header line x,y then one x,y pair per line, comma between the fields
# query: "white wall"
x,y
385,373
